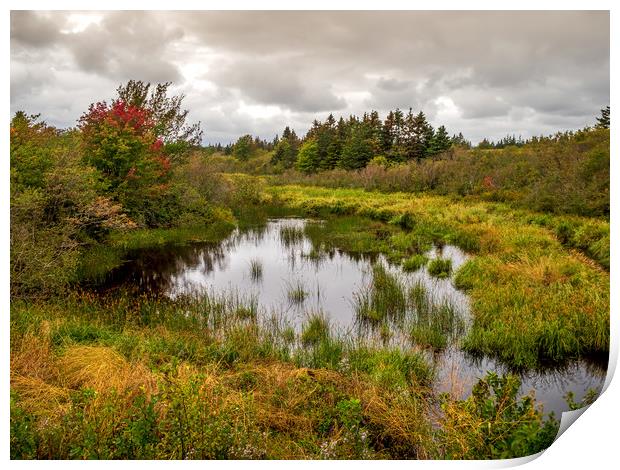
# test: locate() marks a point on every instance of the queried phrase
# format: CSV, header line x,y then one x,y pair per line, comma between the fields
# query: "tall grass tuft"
x,y
414,263
296,292
440,267
433,324
256,269
291,236
315,330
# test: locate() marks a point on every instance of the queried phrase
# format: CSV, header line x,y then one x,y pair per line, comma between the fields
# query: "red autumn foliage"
x,y
488,182
108,130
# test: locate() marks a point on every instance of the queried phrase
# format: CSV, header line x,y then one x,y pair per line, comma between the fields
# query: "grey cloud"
x,y
277,83
505,71
393,84
126,45
35,29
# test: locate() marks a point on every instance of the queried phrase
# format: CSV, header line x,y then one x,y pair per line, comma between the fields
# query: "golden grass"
x,y
39,397
103,369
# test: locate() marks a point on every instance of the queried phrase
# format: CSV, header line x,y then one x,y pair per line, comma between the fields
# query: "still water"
x,y
330,278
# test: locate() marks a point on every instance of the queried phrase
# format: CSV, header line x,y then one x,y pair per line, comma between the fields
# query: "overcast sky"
x,y
480,73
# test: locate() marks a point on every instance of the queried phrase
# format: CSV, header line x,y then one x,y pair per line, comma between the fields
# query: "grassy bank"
x,y
535,298
203,377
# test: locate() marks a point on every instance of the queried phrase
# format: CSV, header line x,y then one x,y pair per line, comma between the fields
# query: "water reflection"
x,y
329,278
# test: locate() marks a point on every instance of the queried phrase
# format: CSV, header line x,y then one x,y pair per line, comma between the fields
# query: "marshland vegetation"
x,y
105,369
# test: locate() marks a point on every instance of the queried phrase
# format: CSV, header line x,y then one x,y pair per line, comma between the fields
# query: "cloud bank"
x,y
485,74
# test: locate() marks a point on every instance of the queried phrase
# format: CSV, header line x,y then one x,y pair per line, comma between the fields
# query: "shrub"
x,y
500,425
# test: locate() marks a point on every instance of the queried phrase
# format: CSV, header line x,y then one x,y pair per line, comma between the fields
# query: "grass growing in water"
x,y
256,269
433,324
522,276
296,292
385,299
315,330
414,263
291,236
108,366
440,267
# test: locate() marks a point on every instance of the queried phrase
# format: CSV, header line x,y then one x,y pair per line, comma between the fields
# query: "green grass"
x,y
86,366
385,298
414,263
98,260
315,330
296,292
208,376
536,297
147,238
440,267
291,235
434,324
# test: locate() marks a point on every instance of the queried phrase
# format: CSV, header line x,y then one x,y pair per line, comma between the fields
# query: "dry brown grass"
x,y
31,355
286,402
44,381
103,369
39,397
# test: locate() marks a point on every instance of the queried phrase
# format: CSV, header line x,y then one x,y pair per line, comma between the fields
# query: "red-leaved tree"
x,y
120,141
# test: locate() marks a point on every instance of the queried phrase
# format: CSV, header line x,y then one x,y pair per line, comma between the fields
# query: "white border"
x,y
589,443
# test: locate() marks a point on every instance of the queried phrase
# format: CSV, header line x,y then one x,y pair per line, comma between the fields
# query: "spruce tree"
x,y
603,121
440,142
308,158
357,150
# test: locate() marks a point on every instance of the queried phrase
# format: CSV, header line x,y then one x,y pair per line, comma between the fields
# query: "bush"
x,y
501,425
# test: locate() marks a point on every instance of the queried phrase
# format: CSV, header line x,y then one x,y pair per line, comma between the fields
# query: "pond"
x,y
279,268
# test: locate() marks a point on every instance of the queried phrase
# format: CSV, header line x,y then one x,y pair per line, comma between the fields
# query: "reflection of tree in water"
x,y
255,234
153,271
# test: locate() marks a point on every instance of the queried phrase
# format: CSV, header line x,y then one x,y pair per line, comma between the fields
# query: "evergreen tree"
x,y
603,121
460,141
244,147
357,150
285,151
440,142
375,126
395,130
486,144
388,133
420,136
308,158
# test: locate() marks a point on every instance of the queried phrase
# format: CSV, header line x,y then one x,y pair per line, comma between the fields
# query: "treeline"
x,y
245,147
352,143
566,173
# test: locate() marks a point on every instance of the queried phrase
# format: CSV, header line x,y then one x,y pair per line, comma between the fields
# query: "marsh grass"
x,y
389,304
513,256
101,366
256,269
384,299
388,294
315,329
414,263
433,324
291,235
440,268
353,234
296,292
315,255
